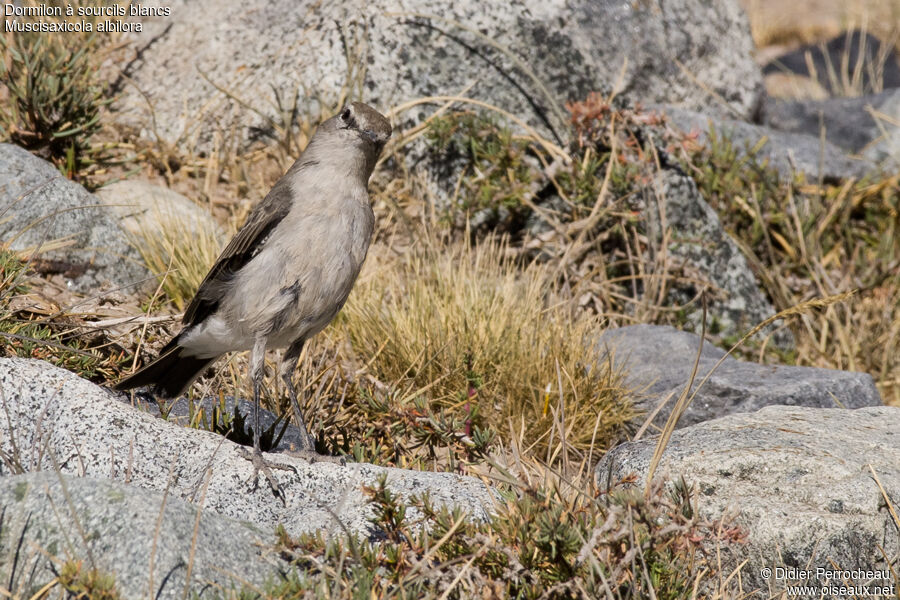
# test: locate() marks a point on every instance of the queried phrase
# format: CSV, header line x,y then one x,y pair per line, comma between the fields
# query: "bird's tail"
x,y
169,375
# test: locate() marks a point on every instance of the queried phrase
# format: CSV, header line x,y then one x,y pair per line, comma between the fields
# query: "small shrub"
x,y
86,584
499,172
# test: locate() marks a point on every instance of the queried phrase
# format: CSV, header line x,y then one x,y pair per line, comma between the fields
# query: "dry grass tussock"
x,y
861,335
465,325
813,240
449,345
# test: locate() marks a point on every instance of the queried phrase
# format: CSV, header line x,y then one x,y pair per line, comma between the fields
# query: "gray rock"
x,y
145,539
699,244
144,207
789,153
40,208
800,481
386,52
709,39
867,125
658,362
48,411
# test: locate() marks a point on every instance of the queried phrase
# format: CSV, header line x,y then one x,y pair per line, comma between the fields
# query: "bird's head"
x,y
356,127
366,122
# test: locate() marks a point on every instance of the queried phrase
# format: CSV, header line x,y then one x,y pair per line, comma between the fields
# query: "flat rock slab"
x,y
658,361
800,481
52,417
155,546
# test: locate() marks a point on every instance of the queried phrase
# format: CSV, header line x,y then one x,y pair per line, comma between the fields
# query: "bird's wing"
x,y
243,247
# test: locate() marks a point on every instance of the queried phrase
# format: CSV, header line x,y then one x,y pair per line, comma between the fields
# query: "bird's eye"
x,y
345,114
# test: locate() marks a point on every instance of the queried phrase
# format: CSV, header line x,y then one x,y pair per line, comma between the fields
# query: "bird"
x,y
286,273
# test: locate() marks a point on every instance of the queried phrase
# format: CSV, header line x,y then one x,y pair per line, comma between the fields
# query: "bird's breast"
x,y
300,281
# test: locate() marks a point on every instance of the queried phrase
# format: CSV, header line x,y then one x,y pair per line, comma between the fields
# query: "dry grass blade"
x,y
648,421
135,320
52,243
678,410
423,562
706,88
458,577
399,141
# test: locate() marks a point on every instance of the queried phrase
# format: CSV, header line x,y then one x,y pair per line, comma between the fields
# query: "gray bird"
x,y
287,272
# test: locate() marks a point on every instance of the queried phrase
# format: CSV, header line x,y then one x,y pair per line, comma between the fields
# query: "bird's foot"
x,y
261,465
313,457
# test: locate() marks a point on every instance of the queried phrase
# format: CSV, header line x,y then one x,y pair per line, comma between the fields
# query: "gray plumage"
x,y
290,268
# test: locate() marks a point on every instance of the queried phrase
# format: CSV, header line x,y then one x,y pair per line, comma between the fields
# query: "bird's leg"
x,y
256,433
288,365
257,371
307,449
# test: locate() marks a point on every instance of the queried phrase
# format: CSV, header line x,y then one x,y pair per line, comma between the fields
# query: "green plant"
x,y
86,584
498,173
502,170
231,423
54,95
